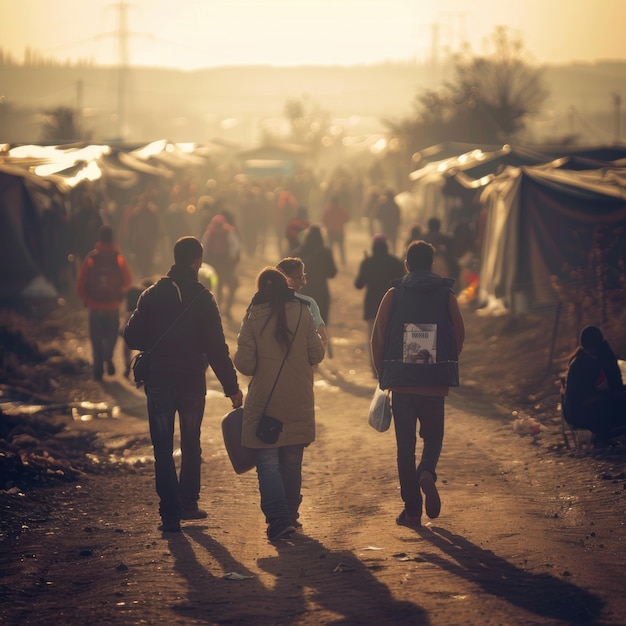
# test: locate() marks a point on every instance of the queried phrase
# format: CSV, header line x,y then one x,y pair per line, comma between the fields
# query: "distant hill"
x,y
232,103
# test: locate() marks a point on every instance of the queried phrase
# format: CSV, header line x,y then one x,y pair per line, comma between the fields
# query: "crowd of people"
x,y
410,305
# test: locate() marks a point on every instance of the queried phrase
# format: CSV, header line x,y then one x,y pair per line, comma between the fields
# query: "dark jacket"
x,y
588,375
194,342
400,358
375,274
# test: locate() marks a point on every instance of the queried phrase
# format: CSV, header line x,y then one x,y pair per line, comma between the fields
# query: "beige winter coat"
x,y
259,355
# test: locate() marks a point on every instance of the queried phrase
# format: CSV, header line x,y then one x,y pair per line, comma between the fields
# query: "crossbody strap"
x,y
284,359
167,330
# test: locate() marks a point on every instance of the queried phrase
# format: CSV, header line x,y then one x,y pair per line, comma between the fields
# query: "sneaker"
x,y
110,368
169,525
406,519
193,513
431,495
279,529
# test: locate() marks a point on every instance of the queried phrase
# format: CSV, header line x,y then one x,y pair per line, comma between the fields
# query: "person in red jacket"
x,y
335,217
103,279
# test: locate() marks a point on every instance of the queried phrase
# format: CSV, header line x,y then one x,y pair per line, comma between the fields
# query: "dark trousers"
x,y
104,328
163,404
407,410
279,472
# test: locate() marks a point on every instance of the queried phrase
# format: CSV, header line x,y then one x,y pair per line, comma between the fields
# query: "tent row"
x,y
540,214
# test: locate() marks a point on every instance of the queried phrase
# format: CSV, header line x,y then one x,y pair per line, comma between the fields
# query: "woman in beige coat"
x,y
278,346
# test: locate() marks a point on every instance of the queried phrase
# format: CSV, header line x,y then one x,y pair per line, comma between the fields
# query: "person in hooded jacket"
x,y
375,274
595,396
417,336
178,320
278,346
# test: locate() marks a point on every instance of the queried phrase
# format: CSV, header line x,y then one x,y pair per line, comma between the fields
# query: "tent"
x,y
21,241
544,221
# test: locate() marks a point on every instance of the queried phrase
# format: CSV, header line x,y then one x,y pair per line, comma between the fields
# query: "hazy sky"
x,y
190,34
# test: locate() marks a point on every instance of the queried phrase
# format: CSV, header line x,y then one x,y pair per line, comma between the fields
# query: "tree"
x,y
61,125
489,100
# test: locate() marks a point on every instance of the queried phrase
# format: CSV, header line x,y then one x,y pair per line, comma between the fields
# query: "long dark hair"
x,y
272,289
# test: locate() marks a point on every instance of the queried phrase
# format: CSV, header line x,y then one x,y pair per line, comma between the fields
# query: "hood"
x,y
423,281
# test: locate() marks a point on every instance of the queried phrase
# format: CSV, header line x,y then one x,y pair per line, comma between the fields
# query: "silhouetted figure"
x,y
375,274
221,251
335,217
444,262
388,215
103,279
296,227
595,398
320,265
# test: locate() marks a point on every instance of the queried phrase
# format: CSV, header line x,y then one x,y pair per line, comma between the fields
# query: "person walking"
x,y
320,264
388,215
221,251
103,278
293,269
375,274
417,336
335,217
182,316
278,346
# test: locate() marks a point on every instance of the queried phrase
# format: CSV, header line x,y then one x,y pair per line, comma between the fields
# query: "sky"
x,y
193,34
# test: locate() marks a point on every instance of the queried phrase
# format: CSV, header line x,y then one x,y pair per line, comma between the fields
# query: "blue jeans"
x,y
163,403
104,328
280,479
407,410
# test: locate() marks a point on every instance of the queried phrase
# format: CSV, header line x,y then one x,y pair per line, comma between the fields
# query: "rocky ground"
x,y
531,532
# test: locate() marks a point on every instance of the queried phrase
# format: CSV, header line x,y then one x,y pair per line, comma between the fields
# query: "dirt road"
x,y
528,533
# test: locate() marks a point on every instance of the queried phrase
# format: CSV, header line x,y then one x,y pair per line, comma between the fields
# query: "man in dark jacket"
x,y
180,350
375,274
417,337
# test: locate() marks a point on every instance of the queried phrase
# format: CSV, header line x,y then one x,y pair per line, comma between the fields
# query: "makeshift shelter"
x,y
543,222
21,236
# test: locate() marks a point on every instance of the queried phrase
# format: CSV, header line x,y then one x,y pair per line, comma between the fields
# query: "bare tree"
x,y
489,101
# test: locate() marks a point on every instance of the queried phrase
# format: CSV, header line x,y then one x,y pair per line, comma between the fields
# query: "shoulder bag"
x,y
269,428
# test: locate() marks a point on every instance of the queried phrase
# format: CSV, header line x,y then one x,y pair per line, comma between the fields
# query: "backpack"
x,y
217,243
104,277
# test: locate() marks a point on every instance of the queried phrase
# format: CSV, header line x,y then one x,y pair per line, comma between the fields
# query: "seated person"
x,y
594,393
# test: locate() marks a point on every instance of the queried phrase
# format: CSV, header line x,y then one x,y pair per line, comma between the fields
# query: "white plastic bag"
x,y
380,411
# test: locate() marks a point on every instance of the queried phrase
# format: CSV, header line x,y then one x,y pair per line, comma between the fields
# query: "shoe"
x,y
296,524
279,529
193,513
433,502
169,525
110,368
406,519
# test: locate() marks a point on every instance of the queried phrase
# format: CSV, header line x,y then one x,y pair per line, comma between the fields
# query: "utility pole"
x,y
122,67
617,103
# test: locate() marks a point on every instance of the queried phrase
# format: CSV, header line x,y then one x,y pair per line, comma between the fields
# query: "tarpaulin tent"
x,y
21,243
543,221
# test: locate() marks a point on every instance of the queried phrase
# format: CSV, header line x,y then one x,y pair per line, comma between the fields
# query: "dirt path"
x,y
527,535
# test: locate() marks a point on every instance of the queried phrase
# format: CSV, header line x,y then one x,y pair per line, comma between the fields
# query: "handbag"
x,y
269,428
379,416
140,363
242,459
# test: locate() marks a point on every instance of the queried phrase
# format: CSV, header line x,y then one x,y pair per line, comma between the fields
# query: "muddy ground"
x,y
530,532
